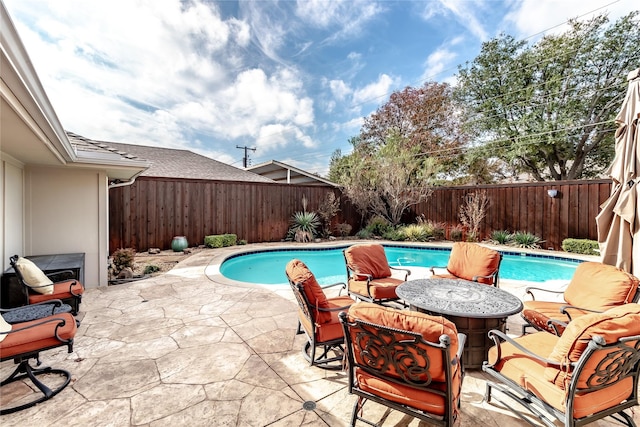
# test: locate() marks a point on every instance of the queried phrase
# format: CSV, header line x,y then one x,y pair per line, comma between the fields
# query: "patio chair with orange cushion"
x,y
318,316
588,373
369,275
594,287
38,286
405,360
473,262
23,340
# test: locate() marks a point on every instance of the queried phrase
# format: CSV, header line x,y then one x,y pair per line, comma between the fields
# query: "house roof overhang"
x,y
30,131
284,173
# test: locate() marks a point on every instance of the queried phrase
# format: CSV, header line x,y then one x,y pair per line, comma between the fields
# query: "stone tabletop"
x,y
456,297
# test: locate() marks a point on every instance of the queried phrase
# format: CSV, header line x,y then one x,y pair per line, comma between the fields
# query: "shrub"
x,y
395,235
581,246
242,242
123,258
378,226
343,229
455,233
220,240
501,237
364,234
473,212
151,268
527,240
416,233
436,230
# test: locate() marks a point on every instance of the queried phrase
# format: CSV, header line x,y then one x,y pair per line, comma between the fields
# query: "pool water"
x,y
267,266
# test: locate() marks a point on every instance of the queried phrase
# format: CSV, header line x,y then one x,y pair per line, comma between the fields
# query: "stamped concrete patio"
x,y
191,348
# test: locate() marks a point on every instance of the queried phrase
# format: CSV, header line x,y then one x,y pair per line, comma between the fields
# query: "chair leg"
x,y
357,407
324,360
24,370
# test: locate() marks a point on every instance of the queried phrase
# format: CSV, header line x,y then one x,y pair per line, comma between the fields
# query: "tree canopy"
x,y
547,109
399,150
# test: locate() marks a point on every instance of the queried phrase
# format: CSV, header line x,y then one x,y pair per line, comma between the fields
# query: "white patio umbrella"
x,y
619,220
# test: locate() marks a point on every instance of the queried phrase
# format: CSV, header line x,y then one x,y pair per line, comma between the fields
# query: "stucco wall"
x,y
65,212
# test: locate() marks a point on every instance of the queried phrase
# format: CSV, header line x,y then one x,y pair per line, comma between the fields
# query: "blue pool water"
x,y
327,264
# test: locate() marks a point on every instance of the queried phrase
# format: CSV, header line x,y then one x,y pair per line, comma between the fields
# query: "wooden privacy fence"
x,y
151,211
526,207
148,213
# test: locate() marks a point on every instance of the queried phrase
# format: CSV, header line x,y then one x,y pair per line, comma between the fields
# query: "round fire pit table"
x,y
475,309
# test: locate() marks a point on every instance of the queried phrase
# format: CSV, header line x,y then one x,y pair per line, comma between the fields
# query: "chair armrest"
x,y
346,307
57,321
500,337
555,324
475,278
344,285
529,290
565,310
407,272
60,276
432,269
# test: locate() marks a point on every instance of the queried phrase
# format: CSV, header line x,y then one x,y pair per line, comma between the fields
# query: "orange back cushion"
x,y
430,327
368,259
617,322
469,259
600,286
298,272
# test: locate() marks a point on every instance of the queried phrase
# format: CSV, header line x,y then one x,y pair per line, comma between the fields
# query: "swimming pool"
x,y
267,266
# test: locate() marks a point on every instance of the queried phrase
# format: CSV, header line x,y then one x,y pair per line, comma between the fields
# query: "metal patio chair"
x,y
588,373
318,317
473,262
594,287
407,361
369,274
38,286
25,339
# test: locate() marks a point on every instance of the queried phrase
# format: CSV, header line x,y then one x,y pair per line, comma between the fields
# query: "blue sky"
x,y
291,79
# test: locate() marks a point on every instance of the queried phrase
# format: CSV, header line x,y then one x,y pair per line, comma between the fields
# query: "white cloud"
x,y
345,17
373,92
157,73
531,17
465,12
440,60
339,89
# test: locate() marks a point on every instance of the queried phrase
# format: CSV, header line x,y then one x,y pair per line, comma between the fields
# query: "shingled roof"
x,y
170,162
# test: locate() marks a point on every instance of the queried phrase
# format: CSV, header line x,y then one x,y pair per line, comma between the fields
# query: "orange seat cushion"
x,y
529,373
331,330
424,400
600,286
430,327
368,259
617,322
41,334
377,289
61,290
468,260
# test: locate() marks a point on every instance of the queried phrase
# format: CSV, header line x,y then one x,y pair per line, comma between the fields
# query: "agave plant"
x,y
304,226
501,237
527,240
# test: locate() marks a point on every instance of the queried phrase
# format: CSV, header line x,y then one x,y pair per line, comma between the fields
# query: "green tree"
x,y
387,180
548,108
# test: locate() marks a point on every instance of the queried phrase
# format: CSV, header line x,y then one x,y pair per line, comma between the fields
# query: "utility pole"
x,y
245,159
